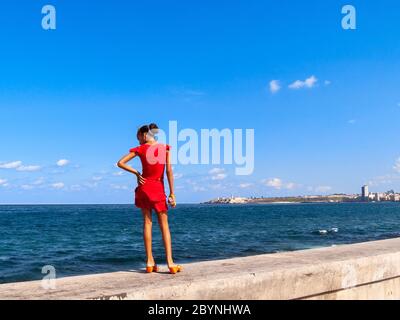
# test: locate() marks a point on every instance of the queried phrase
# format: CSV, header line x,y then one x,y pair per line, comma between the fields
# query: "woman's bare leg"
x,y
147,235
166,235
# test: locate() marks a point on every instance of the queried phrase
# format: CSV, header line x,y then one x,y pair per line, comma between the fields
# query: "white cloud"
x,y
274,86
327,82
386,179
29,168
274,183
195,186
62,162
216,171
58,185
76,187
397,165
3,182
219,176
118,187
118,174
278,184
323,189
178,176
91,185
217,186
35,184
352,121
98,178
199,189
290,185
11,165
245,185
308,83
38,182
17,165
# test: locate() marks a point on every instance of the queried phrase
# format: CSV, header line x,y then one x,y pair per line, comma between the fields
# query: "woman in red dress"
x,y
150,193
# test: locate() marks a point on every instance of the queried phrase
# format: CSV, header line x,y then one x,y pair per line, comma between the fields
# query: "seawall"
x,y
369,270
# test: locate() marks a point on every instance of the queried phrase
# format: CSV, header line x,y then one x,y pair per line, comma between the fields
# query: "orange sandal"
x,y
175,269
152,269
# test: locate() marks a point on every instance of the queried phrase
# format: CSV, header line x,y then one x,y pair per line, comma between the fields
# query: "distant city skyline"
x,y
323,101
364,196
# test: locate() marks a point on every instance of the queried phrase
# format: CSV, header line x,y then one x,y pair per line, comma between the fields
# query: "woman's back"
x,y
153,158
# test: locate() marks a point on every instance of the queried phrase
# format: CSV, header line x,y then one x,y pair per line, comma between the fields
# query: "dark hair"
x,y
151,127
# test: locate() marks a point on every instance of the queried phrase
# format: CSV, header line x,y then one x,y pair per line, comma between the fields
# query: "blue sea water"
x,y
85,239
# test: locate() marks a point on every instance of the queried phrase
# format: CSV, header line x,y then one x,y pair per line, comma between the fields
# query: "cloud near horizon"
x,y
245,185
58,185
62,162
29,168
323,189
11,165
278,184
396,166
17,165
218,174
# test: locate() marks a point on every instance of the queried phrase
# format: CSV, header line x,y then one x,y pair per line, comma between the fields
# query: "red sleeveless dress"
x,y
151,195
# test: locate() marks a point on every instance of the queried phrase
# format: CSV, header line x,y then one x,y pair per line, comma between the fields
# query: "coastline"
x,y
299,202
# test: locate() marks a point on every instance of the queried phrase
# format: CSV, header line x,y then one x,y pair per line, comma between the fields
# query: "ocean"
x,y
88,239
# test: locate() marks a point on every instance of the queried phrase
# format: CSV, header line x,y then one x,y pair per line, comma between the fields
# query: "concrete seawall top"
x,y
368,270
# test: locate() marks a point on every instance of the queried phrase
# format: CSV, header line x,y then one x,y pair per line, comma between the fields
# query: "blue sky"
x,y
79,93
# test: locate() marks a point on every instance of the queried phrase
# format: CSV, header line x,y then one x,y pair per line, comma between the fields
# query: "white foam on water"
x,y
326,231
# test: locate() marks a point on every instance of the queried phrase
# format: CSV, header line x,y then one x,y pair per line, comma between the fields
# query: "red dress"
x,y
151,195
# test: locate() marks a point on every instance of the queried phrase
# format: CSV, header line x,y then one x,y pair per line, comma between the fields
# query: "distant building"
x,y
365,193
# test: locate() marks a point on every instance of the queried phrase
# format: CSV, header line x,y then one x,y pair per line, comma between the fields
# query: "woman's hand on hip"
x,y
141,181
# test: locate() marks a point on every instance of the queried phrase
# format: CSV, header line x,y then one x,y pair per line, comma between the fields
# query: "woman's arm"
x,y
122,163
170,176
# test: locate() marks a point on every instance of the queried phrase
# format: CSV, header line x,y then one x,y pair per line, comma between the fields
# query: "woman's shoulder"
x,y
136,150
144,147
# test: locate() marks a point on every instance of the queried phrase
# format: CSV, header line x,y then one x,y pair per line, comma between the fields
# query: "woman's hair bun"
x,y
153,128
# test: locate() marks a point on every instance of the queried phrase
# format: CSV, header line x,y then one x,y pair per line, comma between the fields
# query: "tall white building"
x,y
365,193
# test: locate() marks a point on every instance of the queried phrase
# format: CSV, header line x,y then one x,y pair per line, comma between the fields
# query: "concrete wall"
x,y
361,271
